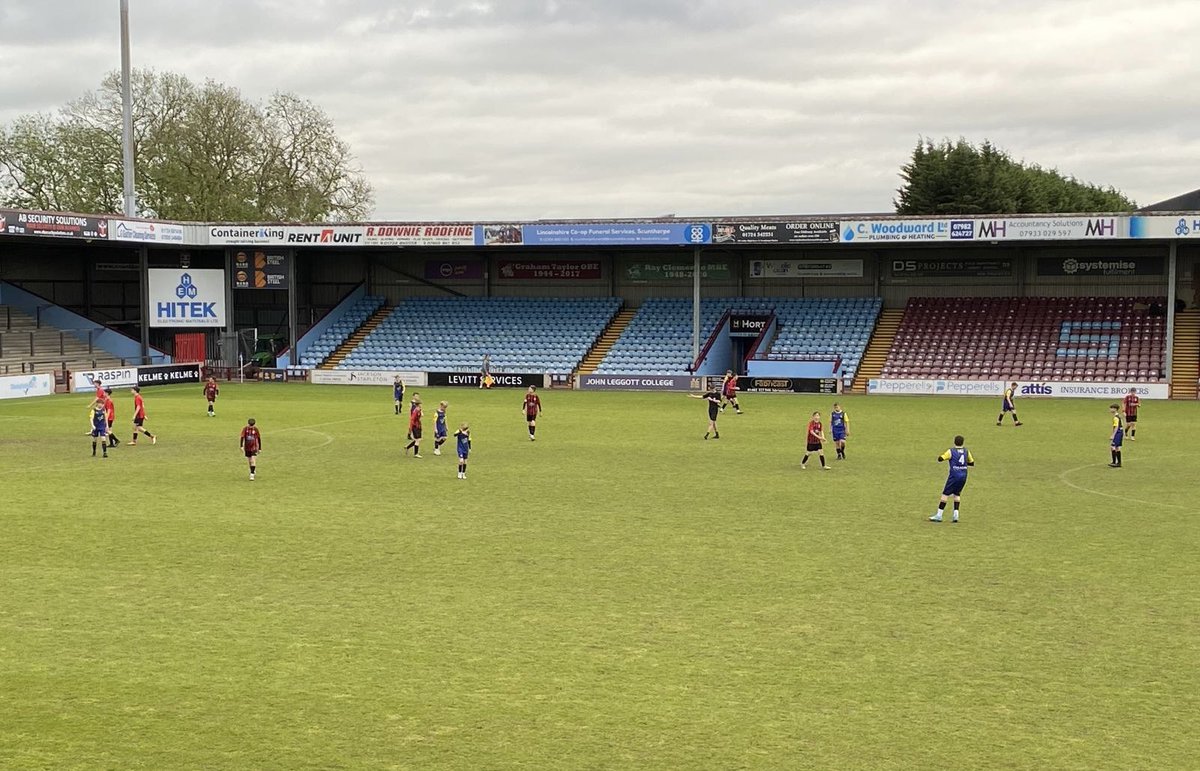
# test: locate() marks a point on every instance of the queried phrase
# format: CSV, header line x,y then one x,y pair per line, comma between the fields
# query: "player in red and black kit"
x,y
816,438
110,414
414,427
251,444
210,394
1131,401
139,418
729,391
533,407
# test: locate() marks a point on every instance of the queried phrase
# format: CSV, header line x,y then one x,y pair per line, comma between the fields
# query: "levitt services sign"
x,y
186,298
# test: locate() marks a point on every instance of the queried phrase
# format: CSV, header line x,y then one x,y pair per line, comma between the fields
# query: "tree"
x,y
203,152
960,179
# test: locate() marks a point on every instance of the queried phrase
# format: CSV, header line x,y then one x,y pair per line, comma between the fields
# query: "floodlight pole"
x,y
127,115
695,304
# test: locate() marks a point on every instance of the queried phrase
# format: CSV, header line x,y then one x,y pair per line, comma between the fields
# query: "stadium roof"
x,y
1186,202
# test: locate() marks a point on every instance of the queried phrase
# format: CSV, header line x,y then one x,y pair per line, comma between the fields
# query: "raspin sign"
x,y
186,298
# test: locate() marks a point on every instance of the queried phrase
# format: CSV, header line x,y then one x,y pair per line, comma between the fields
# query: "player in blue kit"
x,y
398,392
1009,405
439,428
463,435
99,412
959,458
839,423
1118,435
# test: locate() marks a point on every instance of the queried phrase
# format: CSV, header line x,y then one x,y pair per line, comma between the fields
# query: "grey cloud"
x,y
546,108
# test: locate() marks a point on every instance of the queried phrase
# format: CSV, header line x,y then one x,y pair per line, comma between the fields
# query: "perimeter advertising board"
x,y
23,386
168,374
499,379
128,377
640,383
364,377
995,388
116,377
788,385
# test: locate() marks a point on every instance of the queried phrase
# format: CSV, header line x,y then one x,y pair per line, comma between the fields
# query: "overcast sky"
x,y
505,109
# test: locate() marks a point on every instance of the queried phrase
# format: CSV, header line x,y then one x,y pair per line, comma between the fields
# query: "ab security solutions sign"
x,y
187,298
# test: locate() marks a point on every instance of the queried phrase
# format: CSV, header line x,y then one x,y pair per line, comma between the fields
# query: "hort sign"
x,y
186,298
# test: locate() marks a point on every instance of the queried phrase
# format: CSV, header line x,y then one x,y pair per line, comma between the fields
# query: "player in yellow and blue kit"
x,y
1009,405
1118,435
463,435
839,423
398,392
439,428
959,458
99,432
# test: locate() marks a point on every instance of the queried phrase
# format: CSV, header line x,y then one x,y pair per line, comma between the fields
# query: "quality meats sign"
x,y
28,223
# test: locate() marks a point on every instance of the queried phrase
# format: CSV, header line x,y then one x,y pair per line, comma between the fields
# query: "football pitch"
x,y
618,594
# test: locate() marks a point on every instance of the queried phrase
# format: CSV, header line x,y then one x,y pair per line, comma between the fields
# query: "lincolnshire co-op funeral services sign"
x,y
599,234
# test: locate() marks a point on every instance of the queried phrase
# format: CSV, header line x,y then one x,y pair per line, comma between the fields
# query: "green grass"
x,y
618,594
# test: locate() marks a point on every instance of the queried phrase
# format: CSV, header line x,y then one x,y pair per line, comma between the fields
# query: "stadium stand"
x,y
659,338
521,334
27,346
1038,338
342,328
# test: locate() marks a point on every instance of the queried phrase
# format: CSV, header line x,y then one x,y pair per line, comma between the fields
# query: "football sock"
x,y
716,434
532,430
822,457
149,434
956,508
93,448
804,460
1015,418
1118,457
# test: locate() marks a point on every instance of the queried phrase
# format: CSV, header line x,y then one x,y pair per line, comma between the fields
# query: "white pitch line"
x,y
309,428
1063,478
